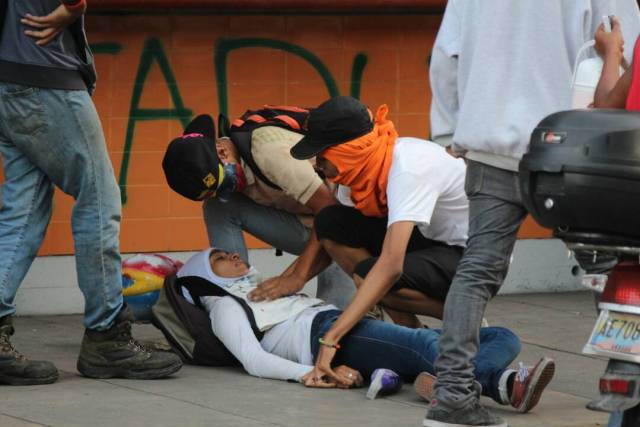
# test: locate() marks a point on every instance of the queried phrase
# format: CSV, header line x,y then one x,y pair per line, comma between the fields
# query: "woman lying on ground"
x,y
293,327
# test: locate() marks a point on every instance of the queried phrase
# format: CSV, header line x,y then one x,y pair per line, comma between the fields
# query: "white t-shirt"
x,y
426,186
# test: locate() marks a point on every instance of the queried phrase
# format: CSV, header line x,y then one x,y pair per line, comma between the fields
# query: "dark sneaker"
x,y
474,415
115,354
15,369
530,382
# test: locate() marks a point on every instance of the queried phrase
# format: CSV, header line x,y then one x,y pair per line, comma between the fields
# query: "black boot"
x,y
115,354
15,369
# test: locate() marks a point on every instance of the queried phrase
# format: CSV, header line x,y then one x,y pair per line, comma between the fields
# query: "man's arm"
x,y
612,90
47,28
386,271
271,151
443,75
313,260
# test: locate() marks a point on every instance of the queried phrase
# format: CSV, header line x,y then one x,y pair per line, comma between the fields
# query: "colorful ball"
x,y
142,278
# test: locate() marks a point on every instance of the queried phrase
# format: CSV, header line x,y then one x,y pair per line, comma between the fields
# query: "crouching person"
x,y
281,338
404,236
260,189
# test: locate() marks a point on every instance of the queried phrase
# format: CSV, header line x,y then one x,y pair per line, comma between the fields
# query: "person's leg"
x,y
495,215
226,221
498,349
69,148
24,214
425,281
373,344
335,287
407,300
348,236
399,309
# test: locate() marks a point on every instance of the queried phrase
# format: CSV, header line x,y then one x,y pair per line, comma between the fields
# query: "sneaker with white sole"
x,y
530,382
424,385
474,415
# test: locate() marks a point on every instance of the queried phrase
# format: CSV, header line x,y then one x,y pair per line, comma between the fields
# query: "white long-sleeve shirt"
x,y
498,67
285,350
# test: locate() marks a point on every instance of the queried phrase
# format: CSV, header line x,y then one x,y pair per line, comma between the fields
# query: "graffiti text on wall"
x,y
153,52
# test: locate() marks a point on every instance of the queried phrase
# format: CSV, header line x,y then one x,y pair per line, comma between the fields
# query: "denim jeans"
x,y
227,220
373,344
495,215
54,138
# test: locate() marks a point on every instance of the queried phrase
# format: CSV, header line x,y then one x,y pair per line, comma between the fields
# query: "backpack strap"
x,y
223,125
241,130
200,287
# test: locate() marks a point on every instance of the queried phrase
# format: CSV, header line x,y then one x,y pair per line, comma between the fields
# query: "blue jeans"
x,y
227,220
373,344
54,138
495,215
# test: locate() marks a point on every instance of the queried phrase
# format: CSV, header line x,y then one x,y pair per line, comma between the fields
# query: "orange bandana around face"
x,y
363,165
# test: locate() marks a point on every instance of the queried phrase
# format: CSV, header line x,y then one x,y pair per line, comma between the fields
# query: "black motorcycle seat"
x,y
596,239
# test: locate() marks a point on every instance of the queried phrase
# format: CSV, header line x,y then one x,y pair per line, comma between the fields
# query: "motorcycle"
x,y
616,334
581,178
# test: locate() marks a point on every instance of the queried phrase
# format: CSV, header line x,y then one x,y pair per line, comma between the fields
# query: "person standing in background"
x,y
50,135
497,69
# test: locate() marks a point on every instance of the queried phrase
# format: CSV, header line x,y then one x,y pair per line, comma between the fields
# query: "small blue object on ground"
x,y
384,382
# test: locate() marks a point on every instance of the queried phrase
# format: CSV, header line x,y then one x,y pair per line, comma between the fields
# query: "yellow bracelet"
x,y
326,344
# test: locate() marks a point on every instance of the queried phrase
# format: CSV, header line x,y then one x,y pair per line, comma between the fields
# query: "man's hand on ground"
x,y
48,27
275,288
310,380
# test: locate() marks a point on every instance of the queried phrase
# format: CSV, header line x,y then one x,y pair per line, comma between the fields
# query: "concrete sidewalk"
x,y
555,325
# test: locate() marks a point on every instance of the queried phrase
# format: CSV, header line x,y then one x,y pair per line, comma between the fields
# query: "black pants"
x,y
429,265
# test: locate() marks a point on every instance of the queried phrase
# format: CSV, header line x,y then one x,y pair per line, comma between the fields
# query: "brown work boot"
x,y
115,354
15,369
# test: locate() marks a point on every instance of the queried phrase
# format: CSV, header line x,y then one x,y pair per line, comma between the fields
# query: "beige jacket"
x,y
270,147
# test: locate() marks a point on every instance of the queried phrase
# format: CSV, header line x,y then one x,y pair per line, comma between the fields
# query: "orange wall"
x,y
182,81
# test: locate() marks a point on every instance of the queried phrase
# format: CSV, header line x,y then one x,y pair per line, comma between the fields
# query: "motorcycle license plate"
x,y
616,335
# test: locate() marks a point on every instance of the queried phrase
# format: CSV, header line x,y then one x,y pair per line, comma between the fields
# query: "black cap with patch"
x,y
191,164
338,120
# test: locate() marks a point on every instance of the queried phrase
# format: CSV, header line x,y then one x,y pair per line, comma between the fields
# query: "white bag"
x,y
586,75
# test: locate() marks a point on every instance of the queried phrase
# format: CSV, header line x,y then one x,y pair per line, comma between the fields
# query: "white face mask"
x,y
253,276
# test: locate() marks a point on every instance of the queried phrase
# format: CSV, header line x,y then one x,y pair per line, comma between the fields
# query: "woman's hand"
x,y
48,27
312,380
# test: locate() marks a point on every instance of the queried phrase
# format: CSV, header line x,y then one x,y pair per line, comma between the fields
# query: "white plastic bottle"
x,y
587,73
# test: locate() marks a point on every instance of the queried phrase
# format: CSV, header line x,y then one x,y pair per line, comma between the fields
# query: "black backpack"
x,y
241,129
187,327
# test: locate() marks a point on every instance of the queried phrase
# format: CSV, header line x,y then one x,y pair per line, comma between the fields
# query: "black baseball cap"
x,y
191,164
338,120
